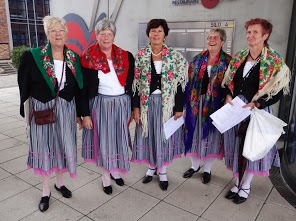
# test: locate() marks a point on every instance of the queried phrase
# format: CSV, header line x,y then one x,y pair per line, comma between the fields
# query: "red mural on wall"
x,y
79,36
209,3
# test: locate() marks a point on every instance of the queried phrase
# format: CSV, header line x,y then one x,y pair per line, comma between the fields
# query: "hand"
x,y
250,105
137,115
228,100
87,122
79,122
178,115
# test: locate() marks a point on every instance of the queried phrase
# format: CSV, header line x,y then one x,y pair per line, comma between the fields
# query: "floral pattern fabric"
x,y
44,60
213,96
274,75
173,73
94,58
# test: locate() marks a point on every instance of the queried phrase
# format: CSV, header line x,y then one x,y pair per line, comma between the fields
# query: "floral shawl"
x,y
94,58
213,96
44,61
173,74
274,75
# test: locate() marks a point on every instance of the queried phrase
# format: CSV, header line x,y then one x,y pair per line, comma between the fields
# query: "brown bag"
x,y
48,116
44,117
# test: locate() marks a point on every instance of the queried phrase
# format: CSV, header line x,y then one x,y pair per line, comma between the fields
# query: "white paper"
x,y
171,126
230,115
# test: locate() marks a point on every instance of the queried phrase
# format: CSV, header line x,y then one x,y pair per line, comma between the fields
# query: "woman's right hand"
x,y
228,99
137,115
87,122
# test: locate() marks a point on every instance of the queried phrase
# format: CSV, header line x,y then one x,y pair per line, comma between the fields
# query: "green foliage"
x,y
17,53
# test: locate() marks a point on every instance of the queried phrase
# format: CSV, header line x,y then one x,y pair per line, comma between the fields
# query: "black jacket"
x,y
32,84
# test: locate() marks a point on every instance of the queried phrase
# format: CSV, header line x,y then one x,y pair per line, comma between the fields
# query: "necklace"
x,y
253,58
155,54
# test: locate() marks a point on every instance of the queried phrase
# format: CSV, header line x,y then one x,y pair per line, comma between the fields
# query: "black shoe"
x,y
44,203
230,195
64,190
163,185
107,189
147,179
118,181
239,199
206,177
190,172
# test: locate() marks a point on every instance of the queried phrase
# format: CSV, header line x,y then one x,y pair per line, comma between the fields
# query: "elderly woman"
x,y
108,73
259,76
160,79
48,77
203,96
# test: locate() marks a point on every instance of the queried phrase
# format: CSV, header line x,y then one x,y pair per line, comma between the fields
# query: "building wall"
x,y
4,36
133,12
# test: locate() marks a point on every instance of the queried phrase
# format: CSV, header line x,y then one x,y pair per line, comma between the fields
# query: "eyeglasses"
x,y
54,32
213,38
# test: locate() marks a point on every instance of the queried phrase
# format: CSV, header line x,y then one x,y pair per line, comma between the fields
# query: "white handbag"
x,y
263,132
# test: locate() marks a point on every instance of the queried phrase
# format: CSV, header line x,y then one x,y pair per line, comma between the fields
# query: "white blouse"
x,y
109,83
58,65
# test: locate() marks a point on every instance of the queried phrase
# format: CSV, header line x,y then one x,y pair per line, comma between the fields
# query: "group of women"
x,y
106,88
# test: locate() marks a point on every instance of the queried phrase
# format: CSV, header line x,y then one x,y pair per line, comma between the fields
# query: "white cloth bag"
x,y
263,132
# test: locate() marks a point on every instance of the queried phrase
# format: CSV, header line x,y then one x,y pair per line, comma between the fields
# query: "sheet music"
x,y
228,116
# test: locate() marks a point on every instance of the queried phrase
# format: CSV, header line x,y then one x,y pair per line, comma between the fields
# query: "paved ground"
x,y
186,199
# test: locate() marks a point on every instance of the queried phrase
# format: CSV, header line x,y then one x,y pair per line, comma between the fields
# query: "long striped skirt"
x,y
231,147
153,149
53,147
212,146
108,142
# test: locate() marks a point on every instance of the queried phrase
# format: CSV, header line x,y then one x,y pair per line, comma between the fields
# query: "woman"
x,y
108,73
203,96
160,79
43,73
259,76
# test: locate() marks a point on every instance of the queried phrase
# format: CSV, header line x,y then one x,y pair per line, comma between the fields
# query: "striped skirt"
x,y
108,142
53,147
212,146
153,149
231,147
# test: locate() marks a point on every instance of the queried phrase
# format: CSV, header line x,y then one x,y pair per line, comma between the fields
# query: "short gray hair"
x,y
221,32
105,24
49,21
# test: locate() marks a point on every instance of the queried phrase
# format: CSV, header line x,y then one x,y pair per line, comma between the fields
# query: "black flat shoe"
x,y
147,179
107,189
118,181
239,199
190,172
163,185
230,195
206,178
64,191
44,203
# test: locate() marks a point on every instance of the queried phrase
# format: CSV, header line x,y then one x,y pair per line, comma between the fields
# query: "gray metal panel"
x,y
190,37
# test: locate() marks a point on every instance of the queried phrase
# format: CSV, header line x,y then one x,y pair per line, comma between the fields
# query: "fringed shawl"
x,y
213,96
173,73
274,74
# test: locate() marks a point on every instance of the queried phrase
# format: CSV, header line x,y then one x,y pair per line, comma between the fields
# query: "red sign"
x,y
209,3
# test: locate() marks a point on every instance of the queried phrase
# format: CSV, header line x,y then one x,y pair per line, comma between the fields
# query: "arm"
x,y
179,102
23,79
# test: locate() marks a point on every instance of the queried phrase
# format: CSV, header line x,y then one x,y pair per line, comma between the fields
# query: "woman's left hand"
x,y
178,115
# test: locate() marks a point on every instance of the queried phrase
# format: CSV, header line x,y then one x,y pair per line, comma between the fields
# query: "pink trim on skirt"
x,y
259,173
219,157
110,171
55,169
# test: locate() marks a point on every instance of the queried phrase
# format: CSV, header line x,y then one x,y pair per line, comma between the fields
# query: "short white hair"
x,y
105,24
49,21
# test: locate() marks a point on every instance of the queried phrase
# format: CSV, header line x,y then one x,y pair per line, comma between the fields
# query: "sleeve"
x,y
179,100
130,76
78,100
263,103
136,96
83,97
23,78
